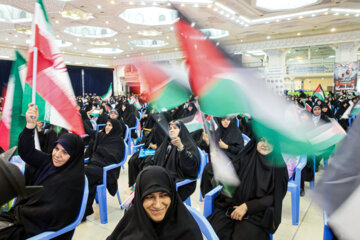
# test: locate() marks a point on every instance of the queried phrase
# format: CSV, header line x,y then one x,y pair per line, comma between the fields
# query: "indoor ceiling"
x,y
140,27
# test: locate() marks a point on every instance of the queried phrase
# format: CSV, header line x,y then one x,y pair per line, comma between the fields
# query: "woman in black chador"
x,y
229,139
179,155
151,141
255,208
128,115
61,174
157,211
108,149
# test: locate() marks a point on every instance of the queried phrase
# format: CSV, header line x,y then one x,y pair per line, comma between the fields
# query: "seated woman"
x,y
179,155
157,211
61,174
108,149
128,115
254,210
230,140
151,141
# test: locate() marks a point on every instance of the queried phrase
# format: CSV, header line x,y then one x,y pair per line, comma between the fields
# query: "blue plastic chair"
x,y
72,226
187,181
351,119
328,235
136,127
294,189
209,202
246,139
204,224
101,189
100,125
18,162
93,123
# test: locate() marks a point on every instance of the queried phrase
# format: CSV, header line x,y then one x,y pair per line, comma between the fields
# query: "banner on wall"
x,y
274,77
345,76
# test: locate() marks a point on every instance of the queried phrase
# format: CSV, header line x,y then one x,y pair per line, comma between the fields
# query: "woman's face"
x,y
190,108
156,205
225,122
173,131
264,147
108,127
317,111
123,107
59,155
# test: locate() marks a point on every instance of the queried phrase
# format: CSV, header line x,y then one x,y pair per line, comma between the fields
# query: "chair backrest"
x,y
246,139
203,163
126,133
50,235
93,123
16,160
122,162
204,224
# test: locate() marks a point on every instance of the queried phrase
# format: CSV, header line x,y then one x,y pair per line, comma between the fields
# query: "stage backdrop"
x,y
97,80
345,76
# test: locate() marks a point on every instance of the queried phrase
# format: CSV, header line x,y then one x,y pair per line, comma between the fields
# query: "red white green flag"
x,y
319,93
108,94
54,94
224,89
308,108
12,123
167,87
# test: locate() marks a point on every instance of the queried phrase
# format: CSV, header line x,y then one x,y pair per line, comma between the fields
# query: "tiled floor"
x,y
310,222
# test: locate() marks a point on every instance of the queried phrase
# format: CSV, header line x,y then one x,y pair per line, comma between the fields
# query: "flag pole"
x,y
83,82
34,75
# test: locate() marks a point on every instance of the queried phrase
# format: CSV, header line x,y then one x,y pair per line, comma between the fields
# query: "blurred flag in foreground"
x,y
338,191
54,94
12,123
167,87
356,109
224,89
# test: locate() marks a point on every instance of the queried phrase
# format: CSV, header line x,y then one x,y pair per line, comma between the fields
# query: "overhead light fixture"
x,y
99,43
345,10
213,33
268,37
151,16
76,15
101,65
105,50
227,9
149,33
298,34
333,29
12,14
90,32
148,43
26,31
59,43
256,52
99,7
278,5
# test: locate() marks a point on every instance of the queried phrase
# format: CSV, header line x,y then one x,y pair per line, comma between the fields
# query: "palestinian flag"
x,y
338,190
135,102
307,107
195,122
54,94
356,109
107,95
319,93
223,88
167,87
12,123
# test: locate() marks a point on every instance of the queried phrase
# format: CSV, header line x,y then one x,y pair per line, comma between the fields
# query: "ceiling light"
x,y
106,22
215,9
112,2
241,40
335,14
78,39
151,16
57,22
115,39
76,15
14,46
100,43
57,35
196,5
105,51
227,9
267,22
131,3
222,12
79,63
127,55
256,52
143,3
171,28
127,27
313,15
182,5
283,4
298,34
155,4
347,14
326,13
176,49
26,31
142,53
129,36
148,43
75,48
209,6
101,65
246,25
114,57
82,54
301,17
356,15
193,24
213,33
2,56
90,32
149,33
277,20
158,51
12,14
6,39
288,19
98,6
268,37
16,35
345,10
333,29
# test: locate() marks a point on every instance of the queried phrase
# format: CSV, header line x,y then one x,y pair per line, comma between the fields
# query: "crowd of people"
x,y
252,211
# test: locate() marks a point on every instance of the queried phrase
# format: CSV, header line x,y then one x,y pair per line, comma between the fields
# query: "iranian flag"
x,y
319,93
12,123
167,87
107,95
54,94
223,88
